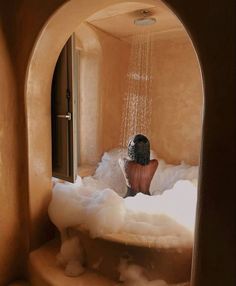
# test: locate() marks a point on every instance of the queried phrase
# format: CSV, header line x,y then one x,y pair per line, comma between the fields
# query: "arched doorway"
x,y
37,91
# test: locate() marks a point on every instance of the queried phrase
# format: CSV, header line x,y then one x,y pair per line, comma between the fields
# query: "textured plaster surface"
x,y
21,23
44,270
177,100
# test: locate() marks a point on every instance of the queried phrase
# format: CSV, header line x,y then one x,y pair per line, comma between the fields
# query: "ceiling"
x,y
118,20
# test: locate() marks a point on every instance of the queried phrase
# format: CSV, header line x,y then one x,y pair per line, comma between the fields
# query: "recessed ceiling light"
x,y
145,21
144,18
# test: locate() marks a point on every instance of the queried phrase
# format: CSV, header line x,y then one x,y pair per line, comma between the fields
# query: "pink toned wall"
x,y
177,99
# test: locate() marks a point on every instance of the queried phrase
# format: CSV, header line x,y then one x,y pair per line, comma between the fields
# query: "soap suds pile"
x,y
96,203
87,203
134,275
109,172
164,220
71,257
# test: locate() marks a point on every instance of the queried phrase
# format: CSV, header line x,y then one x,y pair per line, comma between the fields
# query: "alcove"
x,y
37,91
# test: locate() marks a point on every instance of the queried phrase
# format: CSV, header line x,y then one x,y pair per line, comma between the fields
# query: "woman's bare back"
x,y
139,177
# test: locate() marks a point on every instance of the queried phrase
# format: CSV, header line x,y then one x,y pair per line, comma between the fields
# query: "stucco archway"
x,y
37,97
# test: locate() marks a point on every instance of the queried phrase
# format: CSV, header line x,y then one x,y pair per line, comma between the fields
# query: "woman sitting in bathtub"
x,y
138,169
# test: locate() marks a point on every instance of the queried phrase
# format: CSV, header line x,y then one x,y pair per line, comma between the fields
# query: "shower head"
x,y
145,18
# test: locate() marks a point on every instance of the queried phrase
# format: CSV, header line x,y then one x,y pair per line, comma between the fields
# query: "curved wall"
x,y
213,30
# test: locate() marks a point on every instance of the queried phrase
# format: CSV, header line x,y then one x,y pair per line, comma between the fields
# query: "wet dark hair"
x,y
139,149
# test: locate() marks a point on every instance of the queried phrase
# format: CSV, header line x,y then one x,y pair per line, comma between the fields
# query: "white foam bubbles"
x,y
134,275
101,211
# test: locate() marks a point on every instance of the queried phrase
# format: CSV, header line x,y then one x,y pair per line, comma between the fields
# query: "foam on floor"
x,y
134,275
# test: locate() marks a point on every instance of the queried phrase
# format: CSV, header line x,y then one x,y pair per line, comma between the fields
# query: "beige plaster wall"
x,y
177,99
11,234
22,22
103,67
90,58
113,75
17,38
176,92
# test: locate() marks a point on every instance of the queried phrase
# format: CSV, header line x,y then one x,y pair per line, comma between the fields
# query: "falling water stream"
x,y
137,105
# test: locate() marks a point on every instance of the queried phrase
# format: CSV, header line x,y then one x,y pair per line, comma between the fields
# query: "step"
x,y
43,270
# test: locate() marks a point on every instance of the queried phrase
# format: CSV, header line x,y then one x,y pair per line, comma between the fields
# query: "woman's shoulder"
x,y
154,162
